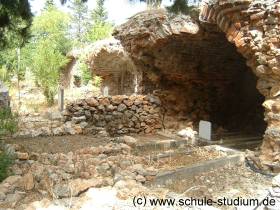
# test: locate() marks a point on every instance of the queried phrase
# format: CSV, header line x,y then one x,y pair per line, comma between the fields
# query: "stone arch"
x,y
252,26
107,59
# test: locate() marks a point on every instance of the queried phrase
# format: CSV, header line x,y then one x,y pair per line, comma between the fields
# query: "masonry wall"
x,y
118,114
251,25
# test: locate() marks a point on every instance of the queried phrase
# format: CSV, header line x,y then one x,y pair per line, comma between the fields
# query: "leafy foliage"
x,y
46,68
178,6
86,73
80,21
8,125
181,6
52,25
15,20
99,14
154,3
101,28
48,48
97,30
9,65
5,162
100,31
8,122
97,81
49,4
4,74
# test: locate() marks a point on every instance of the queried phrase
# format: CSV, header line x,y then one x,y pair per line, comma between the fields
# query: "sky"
x,y
118,10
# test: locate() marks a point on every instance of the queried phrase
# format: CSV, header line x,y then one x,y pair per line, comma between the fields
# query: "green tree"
x,y
100,27
80,20
100,31
48,48
15,20
9,65
178,6
49,4
99,14
181,6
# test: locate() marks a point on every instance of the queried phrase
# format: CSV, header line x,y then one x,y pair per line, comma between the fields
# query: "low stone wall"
x,y
117,114
49,123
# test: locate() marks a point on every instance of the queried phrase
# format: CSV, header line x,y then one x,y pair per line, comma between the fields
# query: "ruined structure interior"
x,y
139,136
205,78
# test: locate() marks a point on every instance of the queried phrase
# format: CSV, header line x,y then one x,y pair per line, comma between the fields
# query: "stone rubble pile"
x,y
69,175
274,193
47,124
118,114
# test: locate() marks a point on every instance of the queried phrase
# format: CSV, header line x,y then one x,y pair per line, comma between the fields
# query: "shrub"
x,y
8,121
85,71
97,81
6,160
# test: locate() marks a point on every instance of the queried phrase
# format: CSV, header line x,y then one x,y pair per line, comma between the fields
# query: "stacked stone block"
x,y
118,114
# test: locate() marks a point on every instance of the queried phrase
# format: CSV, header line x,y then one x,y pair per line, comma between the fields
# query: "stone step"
x,y
239,139
240,145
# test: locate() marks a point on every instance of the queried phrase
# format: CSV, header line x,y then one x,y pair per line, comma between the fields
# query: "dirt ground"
x,y
229,182
58,144
67,143
191,155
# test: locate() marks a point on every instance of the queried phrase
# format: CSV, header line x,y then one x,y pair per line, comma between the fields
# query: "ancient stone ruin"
x,y
223,66
118,114
107,59
163,75
67,77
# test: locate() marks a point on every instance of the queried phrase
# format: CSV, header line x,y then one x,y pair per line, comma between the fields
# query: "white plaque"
x,y
106,91
205,130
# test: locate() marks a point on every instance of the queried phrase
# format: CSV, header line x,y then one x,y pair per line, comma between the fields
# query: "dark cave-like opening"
x,y
207,79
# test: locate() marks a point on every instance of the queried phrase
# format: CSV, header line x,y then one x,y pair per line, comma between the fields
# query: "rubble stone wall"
x,y
254,28
118,114
251,25
107,59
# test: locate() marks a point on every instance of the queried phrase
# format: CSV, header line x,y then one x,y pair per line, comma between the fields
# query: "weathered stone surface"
x,y
118,114
92,102
22,155
27,181
129,140
166,48
108,59
75,187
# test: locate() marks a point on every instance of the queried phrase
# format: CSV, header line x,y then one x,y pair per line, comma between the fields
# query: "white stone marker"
x,y
106,91
61,99
205,130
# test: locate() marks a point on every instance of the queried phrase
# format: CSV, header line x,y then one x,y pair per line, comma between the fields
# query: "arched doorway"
x,y
250,26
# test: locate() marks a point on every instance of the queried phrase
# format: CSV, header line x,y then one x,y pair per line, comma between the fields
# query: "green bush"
x,y
8,122
6,160
97,81
85,71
